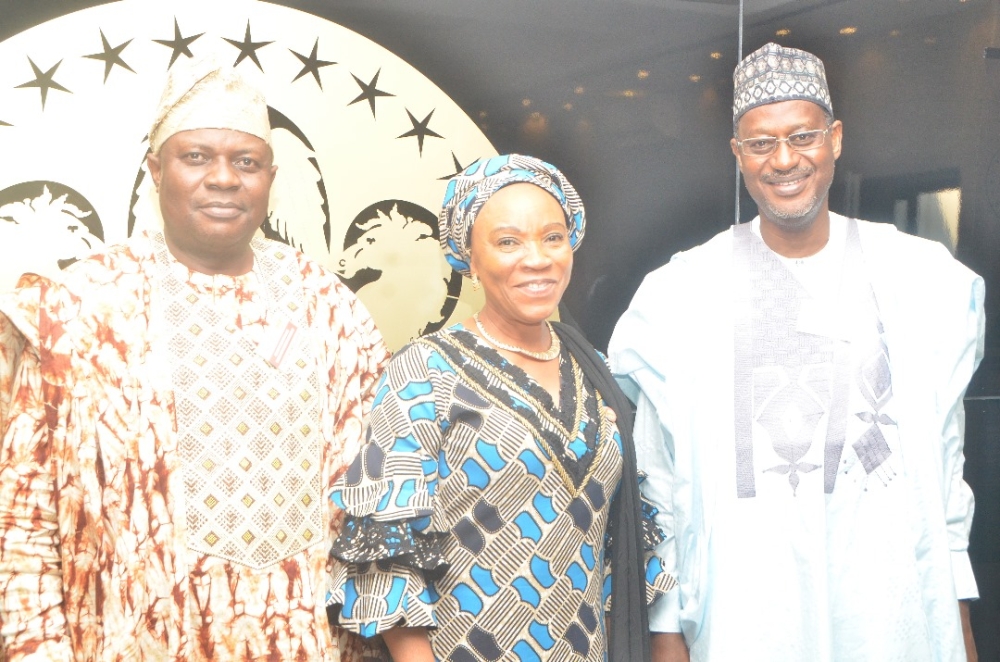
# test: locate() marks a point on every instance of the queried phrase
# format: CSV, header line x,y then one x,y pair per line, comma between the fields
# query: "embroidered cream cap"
x,y
204,94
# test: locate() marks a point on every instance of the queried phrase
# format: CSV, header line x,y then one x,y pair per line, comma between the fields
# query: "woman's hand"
x,y
408,644
669,647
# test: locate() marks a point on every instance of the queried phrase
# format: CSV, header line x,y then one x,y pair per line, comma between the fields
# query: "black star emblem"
x,y
420,130
311,64
178,43
369,91
459,168
111,56
43,81
248,48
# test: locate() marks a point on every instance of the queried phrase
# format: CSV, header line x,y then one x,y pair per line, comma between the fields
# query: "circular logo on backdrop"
x,y
364,145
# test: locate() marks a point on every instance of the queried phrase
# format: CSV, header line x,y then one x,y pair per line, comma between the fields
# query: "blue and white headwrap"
x,y
468,191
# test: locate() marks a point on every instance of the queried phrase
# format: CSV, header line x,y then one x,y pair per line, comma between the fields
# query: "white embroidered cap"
x,y
775,73
205,94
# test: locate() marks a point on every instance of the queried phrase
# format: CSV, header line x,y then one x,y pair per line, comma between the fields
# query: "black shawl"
x,y
628,638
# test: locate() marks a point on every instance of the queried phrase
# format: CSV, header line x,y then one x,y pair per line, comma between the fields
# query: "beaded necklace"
x,y
549,354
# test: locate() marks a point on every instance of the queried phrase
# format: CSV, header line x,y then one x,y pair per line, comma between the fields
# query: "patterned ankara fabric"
x,y
774,73
481,507
468,191
94,492
814,428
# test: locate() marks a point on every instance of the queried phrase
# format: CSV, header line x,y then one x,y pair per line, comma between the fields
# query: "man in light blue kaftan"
x,y
799,384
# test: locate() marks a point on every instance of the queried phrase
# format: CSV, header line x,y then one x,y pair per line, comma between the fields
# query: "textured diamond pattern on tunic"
x,y
251,457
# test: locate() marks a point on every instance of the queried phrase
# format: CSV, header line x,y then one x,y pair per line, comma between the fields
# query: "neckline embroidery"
x,y
505,384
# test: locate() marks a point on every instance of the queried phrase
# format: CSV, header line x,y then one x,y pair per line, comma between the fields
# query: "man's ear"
x,y
153,164
836,137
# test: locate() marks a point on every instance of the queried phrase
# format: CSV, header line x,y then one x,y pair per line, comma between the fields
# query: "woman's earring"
x,y
475,283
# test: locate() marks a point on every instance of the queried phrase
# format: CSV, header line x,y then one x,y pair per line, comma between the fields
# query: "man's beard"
x,y
800,217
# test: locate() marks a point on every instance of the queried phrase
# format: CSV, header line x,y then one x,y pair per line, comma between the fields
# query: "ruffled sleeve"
x,y
389,548
658,580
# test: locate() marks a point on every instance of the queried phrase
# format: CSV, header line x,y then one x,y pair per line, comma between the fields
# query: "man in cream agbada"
x,y
173,414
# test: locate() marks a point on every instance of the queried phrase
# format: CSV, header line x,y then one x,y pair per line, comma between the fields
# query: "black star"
x,y
111,56
248,48
459,168
420,130
178,43
369,91
311,64
44,81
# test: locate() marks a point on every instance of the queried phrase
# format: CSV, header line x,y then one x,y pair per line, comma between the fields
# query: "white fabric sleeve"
x,y
654,457
959,501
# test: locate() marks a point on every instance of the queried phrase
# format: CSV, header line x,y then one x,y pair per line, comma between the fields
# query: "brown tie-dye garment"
x,y
94,562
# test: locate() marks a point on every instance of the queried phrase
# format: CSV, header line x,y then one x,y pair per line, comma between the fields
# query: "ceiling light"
x,y
642,74
536,125
526,102
694,78
783,32
579,89
567,106
716,55
850,29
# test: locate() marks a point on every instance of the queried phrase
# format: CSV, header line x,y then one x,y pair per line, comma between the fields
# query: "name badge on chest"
x,y
277,341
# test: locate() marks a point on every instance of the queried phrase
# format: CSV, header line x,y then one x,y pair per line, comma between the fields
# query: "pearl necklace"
x,y
549,354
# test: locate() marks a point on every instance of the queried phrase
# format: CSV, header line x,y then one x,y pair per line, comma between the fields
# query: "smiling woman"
x,y
500,463
522,256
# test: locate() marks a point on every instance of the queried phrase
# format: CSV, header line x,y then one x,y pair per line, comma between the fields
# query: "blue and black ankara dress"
x,y
478,508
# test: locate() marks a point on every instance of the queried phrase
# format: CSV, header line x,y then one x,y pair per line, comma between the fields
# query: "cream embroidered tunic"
x,y
114,445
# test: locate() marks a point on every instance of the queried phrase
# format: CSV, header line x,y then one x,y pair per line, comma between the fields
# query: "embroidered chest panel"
x,y
813,385
249,431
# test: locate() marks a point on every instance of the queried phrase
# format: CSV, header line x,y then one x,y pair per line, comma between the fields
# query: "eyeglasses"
x,y
800,142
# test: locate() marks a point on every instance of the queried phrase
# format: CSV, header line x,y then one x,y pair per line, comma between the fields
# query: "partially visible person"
x,y
174,412
799,383
498,485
